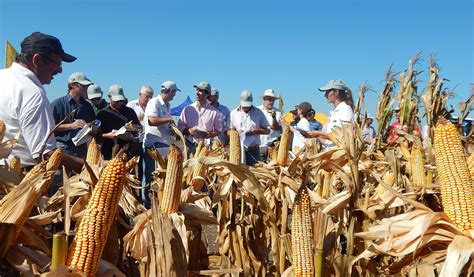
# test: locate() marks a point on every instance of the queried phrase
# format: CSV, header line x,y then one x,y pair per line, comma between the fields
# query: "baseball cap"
x,y
116,93
169,85
334,84
269,93
203,85
246,99
39,42
94,91
214,92
305,107
78,77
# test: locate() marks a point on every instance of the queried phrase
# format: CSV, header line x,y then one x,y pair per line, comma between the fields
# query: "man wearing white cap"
x,y
213,99
115,116
200,120
273,116
250,122
74,100
157,130
94,93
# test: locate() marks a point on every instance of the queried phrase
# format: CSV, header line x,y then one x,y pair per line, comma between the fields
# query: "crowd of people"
x,y
147,120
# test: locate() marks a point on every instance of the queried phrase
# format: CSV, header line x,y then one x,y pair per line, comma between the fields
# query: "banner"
x,y
10,55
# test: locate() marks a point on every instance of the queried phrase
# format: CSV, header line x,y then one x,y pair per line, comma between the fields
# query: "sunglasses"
x,y
57,63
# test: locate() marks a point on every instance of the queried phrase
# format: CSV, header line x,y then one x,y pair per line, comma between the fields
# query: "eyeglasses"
x,y
397,111
269,99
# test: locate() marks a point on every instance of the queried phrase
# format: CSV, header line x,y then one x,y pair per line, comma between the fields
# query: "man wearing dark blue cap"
x,y
25,108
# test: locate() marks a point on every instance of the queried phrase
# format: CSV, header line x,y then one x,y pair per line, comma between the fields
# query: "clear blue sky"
x,y
293,47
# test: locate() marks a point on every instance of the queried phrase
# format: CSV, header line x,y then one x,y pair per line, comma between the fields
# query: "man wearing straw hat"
x,y
273,116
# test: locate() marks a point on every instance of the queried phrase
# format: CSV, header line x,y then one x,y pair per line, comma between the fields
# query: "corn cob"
x,y
2,130
172,187
388,179
285,142
199,146
15,164
199,170
302,235
54,160
457,191
235,154
91,236
417,167
93,153
470,162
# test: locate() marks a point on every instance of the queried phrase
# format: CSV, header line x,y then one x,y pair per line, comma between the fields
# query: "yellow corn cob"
x,y
417,167
93,153
235,154
2,130
470,162
199,146
275,152
172,187
15,164
199,170
457,191
302,235
284,147
91,236
54,160
388,179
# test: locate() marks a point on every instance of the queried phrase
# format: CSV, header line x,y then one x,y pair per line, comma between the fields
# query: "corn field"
x,y
404,208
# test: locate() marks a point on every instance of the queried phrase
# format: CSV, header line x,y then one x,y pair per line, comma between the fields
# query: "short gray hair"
x,y
146,88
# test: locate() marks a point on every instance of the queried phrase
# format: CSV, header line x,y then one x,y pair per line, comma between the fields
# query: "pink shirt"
x,y
207,118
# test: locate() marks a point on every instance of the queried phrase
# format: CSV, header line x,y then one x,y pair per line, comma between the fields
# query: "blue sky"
x,y
293,47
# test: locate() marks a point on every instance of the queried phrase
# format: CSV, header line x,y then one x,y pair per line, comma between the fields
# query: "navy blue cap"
x,y
38,42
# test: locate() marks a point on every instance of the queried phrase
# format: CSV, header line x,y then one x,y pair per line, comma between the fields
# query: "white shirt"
x,y
342,114
274,135
244,122
135,105
298,139
26,109
158,108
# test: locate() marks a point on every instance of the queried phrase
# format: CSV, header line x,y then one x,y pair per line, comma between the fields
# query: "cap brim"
x,y
177,89
325,88
117,98
92,96
68,58
245,104
85,82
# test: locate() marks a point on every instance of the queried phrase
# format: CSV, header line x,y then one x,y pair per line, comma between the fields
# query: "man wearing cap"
x,y
200,120
338,94
302,127
115,116
74,100
157,130
94,93
273,116
393,134
25,108
213,99
250,122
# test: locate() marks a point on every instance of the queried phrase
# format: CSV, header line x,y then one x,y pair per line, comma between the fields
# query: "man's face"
x,y
80,89
246,109
96,101
268,102
169,96
201,94
144,97
48,66
116,104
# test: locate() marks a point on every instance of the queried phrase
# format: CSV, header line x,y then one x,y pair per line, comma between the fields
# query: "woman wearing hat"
x,y
302,127
338,94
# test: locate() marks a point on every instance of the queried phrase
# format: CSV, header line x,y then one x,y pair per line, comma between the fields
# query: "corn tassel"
x,y
172,187
93,153
457,191
235,154
91,236
302,235
199,170
284,148
417,167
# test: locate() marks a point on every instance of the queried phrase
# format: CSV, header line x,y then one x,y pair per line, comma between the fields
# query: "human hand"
x,y
141,116
78,124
